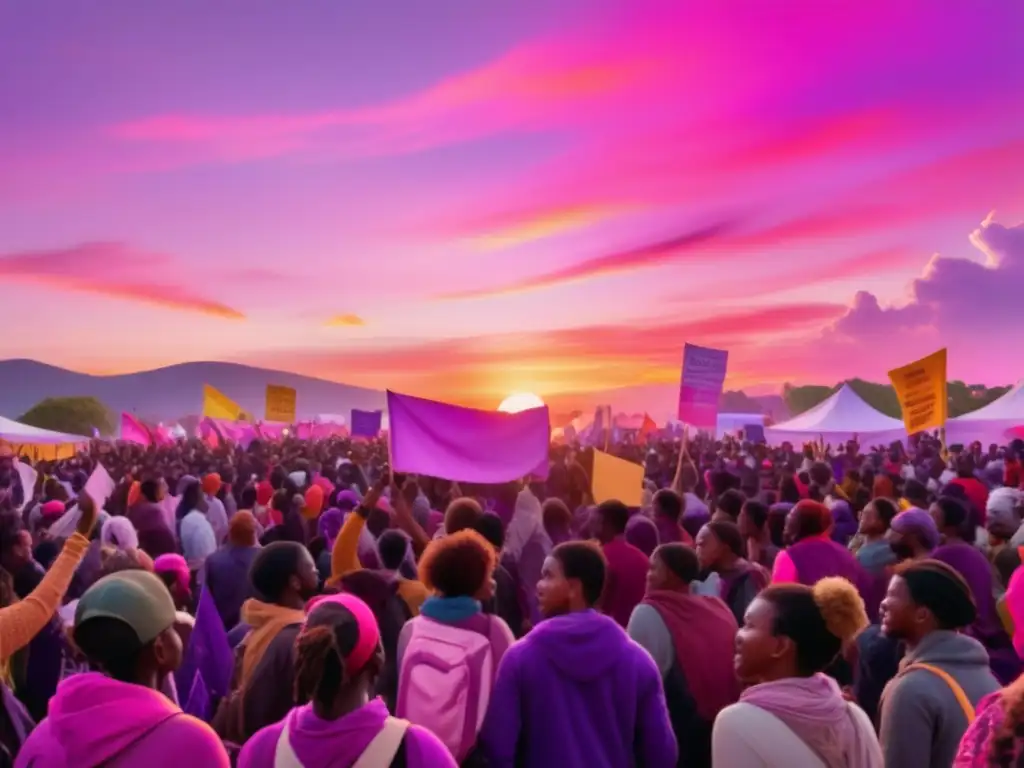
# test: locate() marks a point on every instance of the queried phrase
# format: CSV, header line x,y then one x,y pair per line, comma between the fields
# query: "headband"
x,y
368,634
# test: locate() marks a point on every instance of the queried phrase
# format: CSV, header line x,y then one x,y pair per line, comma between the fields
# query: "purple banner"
x,y
465,444
701,385
365,423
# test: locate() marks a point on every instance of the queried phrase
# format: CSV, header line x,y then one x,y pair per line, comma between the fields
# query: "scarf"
x,y
814,709
266,620
450,610
703,632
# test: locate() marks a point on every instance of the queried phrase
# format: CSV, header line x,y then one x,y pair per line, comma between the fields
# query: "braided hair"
x,y
330,634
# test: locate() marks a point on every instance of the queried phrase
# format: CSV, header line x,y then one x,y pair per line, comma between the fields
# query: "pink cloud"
x,y
114,270
541,83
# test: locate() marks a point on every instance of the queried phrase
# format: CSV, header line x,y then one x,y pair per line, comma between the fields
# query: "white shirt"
x,y
198,541
217,517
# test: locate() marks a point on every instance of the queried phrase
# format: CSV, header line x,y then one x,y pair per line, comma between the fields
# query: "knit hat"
x,y
917,522
242,529
137,598
211,484
313,502
943,591
1002,511
119,532
51,510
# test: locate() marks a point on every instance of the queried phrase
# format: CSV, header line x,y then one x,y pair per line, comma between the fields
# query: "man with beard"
x,y
284,577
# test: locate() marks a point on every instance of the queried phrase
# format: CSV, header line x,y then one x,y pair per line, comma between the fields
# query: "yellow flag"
x,y
616,478
280,404
217,405
921,389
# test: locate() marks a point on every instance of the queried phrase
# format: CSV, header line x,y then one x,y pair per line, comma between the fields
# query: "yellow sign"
x,y
280,404
921,389
618,479
217,405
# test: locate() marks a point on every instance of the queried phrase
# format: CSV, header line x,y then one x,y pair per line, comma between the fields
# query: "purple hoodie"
x,y
95,720
576,692
339,743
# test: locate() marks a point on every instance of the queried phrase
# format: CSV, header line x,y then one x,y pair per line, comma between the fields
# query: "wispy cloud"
x,y
646,255
534,84
114,270
345,321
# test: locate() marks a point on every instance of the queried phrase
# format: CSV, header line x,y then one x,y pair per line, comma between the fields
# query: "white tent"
x,y
836,420
38,443
15,432
990,424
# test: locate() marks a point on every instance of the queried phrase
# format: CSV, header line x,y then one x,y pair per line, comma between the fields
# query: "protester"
x,y
198,540
227,569
527,544
284,578
875,554
458,569
812,555
927,707
124,624
791,714
953,521
338,655
720,550
576,692
149,519
626,577
753,522
508,601
691,639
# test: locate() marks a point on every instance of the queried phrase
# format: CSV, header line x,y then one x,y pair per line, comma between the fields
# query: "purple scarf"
x,y
814,709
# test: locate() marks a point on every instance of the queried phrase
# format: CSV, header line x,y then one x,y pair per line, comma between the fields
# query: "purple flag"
x,y
701,385
208,654
365,423
467,445
198,704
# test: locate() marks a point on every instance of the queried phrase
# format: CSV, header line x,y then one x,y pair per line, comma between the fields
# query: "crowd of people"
x,y
299,603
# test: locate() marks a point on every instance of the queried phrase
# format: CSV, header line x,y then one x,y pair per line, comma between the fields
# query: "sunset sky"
x,y
463,199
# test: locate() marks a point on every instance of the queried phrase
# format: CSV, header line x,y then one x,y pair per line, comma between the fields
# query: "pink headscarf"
x,y
1015,605
815,710
176,564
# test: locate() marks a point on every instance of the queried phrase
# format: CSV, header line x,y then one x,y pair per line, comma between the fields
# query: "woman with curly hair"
x,y
791,714
451,651
338,656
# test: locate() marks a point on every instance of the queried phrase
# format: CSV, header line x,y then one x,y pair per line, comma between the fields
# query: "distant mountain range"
x,y
170,393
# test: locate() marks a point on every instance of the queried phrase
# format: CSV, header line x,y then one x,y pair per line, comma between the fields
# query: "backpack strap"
x,y
284,755
385,745
954,686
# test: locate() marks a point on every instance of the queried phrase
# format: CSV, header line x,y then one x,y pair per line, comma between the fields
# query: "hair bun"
x,y
841,607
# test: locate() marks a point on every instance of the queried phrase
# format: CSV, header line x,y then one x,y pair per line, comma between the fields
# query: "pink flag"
x,y
162,435
465,444
271,430
134,431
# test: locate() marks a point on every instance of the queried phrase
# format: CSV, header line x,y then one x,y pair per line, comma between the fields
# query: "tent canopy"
x,y
15,432
837,419
992,424
38,443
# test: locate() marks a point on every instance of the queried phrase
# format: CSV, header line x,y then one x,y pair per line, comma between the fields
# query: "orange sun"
x,y
520,401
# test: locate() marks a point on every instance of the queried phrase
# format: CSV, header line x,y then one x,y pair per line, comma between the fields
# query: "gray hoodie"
x,y
921,721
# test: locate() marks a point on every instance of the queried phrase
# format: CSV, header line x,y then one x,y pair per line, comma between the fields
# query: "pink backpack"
x,y
444,683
